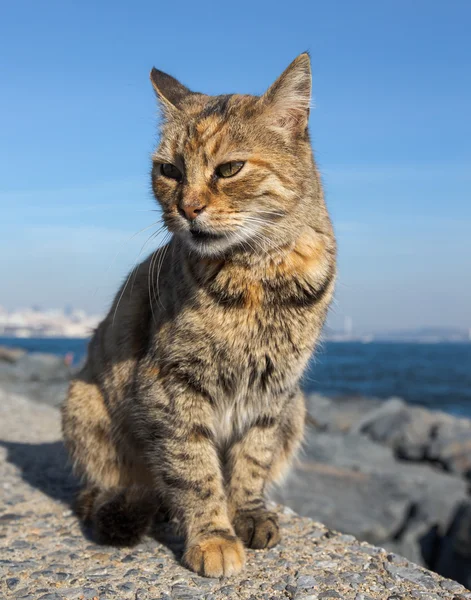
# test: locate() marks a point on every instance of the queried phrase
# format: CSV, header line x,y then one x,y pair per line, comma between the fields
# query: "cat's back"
x,y
122,338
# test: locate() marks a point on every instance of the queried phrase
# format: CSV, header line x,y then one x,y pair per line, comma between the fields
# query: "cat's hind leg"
x,y
116,517
115,502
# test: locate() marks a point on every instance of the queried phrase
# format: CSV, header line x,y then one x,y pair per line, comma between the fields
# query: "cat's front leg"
x,y
250,463
261,457
181,451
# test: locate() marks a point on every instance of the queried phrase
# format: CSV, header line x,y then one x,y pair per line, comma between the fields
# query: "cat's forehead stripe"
x,y
208,127
204,137
209,118
216,106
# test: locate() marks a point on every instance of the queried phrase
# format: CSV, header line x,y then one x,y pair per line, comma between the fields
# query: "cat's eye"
x,y
171,171
229,169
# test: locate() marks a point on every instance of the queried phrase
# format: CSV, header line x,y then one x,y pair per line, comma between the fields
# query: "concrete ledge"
x,y
46,556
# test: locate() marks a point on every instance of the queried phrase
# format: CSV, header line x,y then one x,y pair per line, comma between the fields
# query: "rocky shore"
x,y
393,475
37,376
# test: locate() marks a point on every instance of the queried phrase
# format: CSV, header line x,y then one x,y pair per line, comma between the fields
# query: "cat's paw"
x,y
215,556
258,529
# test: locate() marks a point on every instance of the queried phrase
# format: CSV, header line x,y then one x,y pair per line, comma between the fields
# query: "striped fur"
x,y
189,399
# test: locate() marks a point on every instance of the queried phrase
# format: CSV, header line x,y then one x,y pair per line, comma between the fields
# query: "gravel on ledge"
x,y
45,555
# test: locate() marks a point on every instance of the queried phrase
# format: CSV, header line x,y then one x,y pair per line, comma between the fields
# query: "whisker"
x,y
133,270
150,276
133,273
122,247
269,243
255,219
157,255
159,269
153,236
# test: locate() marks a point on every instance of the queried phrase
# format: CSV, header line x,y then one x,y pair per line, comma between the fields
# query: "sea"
x,y
436,376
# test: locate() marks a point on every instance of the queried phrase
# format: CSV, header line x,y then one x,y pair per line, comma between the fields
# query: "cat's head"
x,y
231,171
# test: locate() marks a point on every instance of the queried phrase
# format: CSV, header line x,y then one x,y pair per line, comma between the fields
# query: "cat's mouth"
x,y
205,236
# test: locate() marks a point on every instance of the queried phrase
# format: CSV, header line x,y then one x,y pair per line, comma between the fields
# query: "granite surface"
x,y
45,555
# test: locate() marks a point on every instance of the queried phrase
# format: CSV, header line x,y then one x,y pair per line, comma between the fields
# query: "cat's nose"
x,y
191,211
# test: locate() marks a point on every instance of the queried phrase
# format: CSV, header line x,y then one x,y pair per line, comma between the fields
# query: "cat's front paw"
x,y
257,529
215,556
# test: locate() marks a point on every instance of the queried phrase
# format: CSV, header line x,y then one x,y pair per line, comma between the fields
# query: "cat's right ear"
x,y
287,101
170,92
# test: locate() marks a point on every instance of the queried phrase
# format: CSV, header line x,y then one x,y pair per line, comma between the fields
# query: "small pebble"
x,y
228,590
306,581
128,558
12,582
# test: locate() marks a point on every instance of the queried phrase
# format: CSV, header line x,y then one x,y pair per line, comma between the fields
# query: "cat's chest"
x,y
256,371
258,354
238,353
243,338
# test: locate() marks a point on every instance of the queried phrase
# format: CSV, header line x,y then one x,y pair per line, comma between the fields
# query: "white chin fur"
x,y
219,247
212,248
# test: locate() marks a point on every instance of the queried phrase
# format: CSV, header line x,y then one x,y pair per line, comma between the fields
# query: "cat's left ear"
x,y
169,91
286,103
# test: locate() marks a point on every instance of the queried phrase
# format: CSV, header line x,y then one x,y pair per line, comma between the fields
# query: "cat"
x,y
189,400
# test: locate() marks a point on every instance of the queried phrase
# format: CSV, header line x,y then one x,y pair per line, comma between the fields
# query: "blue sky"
x,y
391,129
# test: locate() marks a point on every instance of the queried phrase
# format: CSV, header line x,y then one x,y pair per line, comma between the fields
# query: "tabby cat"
x,y
189,400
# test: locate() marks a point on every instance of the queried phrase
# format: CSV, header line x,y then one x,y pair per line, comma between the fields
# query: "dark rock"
x,y
453,555
40,377
306,581
89,593
383,421
12,582
413,433
42,367
450,586
10,517
407,430
375,496
20,544
10,355
375,469
128,558
357,486
127,587
339,415
228,590
412,574
451,445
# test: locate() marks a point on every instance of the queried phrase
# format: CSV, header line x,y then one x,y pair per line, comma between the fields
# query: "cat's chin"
x,y
217,245
209,247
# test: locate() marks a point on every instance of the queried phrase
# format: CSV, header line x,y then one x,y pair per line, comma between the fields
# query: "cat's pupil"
x,y
229,169
169,170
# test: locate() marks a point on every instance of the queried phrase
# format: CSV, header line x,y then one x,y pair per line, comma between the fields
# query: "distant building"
x,y
33,322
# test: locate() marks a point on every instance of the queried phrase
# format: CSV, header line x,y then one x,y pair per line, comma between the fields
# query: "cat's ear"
x,y
170,92
286,103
